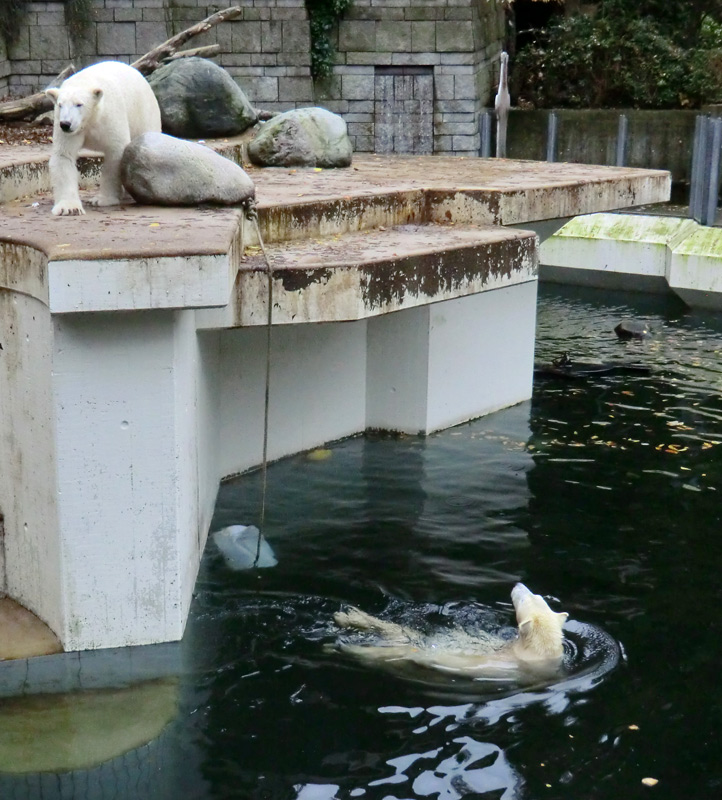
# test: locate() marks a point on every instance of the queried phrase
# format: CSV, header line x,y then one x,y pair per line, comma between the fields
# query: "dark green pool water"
x,y
602,494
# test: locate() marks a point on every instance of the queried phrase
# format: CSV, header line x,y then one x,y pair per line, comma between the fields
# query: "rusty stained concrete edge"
x,y
360,290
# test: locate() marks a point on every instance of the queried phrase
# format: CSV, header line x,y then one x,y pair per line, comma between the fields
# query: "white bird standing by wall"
x,y
502,103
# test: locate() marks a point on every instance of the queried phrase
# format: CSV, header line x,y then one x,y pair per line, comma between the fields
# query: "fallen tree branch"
x,y
34,104
202,52
155,57
27,107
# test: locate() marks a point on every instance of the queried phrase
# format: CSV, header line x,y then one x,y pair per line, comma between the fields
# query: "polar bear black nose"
x,y
65,126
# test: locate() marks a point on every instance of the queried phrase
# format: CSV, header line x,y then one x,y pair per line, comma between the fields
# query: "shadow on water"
x,y
603,493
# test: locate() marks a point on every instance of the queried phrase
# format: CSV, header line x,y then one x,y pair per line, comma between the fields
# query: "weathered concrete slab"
x,y
360,275
132,257
620,251
695,268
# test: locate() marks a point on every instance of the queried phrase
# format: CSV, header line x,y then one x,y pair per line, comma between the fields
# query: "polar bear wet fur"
x,y
102,108
538,645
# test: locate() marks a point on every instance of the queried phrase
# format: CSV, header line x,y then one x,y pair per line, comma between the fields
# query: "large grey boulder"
x,y
198,99
304,137
157,169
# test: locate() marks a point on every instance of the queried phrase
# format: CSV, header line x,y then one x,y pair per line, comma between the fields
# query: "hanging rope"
x,y
252,216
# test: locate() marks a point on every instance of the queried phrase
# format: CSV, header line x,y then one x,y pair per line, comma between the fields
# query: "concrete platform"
x,y
132,372
638,253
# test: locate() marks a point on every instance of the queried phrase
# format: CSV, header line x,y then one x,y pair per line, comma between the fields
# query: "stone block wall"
x,y
4,69
267,50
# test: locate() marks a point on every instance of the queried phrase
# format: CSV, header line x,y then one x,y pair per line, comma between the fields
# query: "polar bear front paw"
x,y
68,208
104,200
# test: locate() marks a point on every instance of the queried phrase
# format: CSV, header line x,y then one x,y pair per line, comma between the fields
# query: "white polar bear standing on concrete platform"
x,y
101,108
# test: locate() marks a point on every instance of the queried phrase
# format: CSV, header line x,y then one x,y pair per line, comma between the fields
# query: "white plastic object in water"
x,y
239,545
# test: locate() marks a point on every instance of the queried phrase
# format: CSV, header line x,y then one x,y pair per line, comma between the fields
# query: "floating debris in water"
x,y
320,454
240,544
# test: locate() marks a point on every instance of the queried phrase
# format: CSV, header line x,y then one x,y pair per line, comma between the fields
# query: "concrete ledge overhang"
x,y
133,257
364,274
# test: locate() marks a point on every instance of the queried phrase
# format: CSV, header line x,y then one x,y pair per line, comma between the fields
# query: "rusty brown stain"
x,y
444,272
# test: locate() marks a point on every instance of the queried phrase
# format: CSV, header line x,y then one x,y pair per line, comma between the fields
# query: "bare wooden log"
x,y
27,107
202,52
154,58
34,104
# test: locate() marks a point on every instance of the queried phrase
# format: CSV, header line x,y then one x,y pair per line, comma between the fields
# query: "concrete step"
x,y
358,275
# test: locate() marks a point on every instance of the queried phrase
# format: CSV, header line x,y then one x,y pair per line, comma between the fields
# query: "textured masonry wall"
x,y
267,51
4,69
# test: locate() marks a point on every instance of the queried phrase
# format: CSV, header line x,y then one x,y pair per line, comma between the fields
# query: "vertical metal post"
x,y
714,140
485,135
698,122
622,131
552,126
698,171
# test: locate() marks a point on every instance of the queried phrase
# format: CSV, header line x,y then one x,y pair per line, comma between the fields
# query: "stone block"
x,y
423,36
297,90
360,128
361,106
149,35
454,37
358,87
235,60
155,15
377,59
260,90
357,36
246,37
455,58
455,106
116,38
50,42
290,13
296,37
20,48
428,13
464,87
459,13
271,37
50,18
393,37
415,59
327,90
128,15
466,142
363,144
444,87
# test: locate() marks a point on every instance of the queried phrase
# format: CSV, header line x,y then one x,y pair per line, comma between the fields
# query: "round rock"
x,y
157,169
631,329
199,99
303,137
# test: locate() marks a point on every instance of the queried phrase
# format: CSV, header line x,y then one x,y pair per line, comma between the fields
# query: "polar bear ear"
x,y
563,616
525,626
97,94
52,94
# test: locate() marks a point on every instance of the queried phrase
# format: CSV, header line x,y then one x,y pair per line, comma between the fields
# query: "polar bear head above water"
x,y
540,628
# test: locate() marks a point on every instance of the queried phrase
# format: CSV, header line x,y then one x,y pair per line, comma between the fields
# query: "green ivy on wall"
x,y
323,15
12,13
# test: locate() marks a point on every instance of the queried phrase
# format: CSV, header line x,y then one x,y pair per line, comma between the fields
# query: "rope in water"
x,y
252,216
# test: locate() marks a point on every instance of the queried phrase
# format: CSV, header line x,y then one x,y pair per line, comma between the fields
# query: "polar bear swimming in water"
x,y
537,649
102,107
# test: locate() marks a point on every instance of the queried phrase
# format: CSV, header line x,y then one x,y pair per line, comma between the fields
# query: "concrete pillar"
x,y
438,365
131,402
